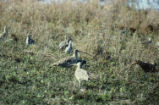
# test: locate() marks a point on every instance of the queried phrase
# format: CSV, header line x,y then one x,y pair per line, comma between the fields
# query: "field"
x,y
27,74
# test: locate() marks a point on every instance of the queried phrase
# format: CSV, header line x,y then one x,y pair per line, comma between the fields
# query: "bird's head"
x,y
76,51
149,39
135,62
68,38
28,34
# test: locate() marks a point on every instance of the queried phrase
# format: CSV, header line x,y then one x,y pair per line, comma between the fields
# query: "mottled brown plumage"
x,y
147,67
14,37
81,74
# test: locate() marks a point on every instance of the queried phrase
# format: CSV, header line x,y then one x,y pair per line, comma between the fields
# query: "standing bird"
x,y
4,34
149,41
14,37
81,74
29,41
68,61
123,31
147,67
64,43
69,47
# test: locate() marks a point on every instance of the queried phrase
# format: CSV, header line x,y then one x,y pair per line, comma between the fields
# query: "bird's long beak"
x,y
85,53
133,64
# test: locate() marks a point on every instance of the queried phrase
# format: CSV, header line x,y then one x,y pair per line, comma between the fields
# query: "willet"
x,y
69,47
81,74
29,41
4,34
68,61
64,43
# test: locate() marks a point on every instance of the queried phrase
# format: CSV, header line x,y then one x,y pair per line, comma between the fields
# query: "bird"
x,y
4,34
147,67
68,61
29,41
64,43
123,31
14,37
81,74
149,41
68,49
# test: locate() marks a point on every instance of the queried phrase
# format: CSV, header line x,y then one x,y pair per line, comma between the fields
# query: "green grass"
x,y
27,76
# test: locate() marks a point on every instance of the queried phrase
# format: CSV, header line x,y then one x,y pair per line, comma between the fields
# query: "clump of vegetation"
x,y
28,77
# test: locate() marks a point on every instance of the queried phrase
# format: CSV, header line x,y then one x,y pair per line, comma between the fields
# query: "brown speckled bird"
x,y
147,67
14,37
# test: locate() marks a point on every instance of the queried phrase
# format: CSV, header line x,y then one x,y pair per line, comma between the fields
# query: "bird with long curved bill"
x,y
146,67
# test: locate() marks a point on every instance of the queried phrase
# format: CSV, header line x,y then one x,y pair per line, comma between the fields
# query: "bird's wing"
x,y
63,45
68,61
84,72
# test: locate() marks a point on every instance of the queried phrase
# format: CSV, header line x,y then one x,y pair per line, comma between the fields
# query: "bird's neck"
x,y
70,44
27,37
78,66
5,31
76,56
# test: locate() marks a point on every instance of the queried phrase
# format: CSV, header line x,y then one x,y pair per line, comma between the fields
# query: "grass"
x,y
28,77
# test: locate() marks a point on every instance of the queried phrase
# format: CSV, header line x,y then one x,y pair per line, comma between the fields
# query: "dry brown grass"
x,y
94,29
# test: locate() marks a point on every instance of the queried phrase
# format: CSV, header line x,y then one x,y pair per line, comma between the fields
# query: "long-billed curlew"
x,y
149,41
29,41
4,34
14,37
69,47
81,74
147,67
68,61
64,43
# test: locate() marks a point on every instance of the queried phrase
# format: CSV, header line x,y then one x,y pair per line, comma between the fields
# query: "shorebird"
x,y
69,47
123,31
81,74
29,41
147,67
64,43
4,34
14,37
68,61
149,41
